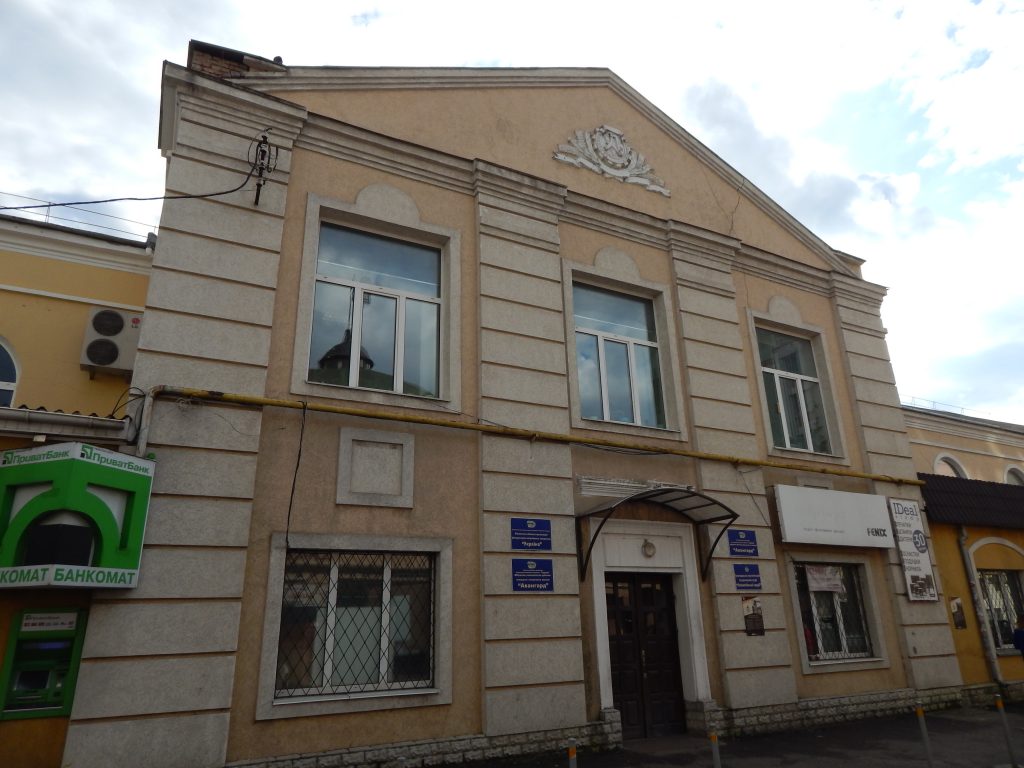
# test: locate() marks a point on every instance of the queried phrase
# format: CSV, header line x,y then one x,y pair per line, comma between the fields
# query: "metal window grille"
x,y
355,622
833,611
1001,593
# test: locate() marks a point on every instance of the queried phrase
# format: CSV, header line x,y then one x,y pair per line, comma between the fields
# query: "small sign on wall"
x,y
742,543
753,619
748,577
533,575
531,534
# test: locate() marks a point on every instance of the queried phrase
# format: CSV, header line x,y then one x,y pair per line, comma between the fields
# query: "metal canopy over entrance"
x,y
694,506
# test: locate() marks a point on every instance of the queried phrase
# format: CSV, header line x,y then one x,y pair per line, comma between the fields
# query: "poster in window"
x,y
913,546
825,578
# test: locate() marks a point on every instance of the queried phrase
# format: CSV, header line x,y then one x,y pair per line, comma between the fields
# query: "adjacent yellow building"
x,y
974,495
54,282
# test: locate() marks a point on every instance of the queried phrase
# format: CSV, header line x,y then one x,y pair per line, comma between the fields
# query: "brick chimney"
x,y
225,62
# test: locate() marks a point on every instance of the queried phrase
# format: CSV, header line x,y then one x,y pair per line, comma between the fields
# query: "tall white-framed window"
x,y
8,376
833,611
376,313
1002,593
617,357
793,392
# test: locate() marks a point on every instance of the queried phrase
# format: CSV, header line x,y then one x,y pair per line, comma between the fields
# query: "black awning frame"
x,y
676,498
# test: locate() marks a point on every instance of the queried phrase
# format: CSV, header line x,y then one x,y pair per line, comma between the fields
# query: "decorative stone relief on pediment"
x,y
605,150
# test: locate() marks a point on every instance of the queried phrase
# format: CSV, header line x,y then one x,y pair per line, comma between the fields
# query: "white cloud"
x,y
81,116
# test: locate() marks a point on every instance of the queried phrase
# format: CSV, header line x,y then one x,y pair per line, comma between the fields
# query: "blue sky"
x,y
890,128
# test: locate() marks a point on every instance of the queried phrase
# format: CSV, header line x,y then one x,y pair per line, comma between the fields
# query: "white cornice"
x,y
38,239
957,425
68,297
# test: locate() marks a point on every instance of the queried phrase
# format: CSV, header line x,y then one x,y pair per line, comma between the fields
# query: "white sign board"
x,y
836,518
913,546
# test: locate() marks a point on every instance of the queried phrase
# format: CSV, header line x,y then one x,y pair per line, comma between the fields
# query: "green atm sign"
x,y
72,515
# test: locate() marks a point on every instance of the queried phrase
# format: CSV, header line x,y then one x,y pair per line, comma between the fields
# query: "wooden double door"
x,y
644,650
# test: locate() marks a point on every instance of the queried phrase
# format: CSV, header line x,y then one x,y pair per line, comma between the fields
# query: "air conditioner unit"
x,y
111,338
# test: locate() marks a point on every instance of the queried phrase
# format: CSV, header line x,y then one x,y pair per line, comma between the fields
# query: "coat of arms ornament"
x,y
605,150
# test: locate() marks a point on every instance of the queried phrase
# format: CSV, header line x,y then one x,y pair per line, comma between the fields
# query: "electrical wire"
x,y
256,165
295,477
83,210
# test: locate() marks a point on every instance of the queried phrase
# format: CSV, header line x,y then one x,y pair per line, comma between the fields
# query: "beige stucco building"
x,y
616,456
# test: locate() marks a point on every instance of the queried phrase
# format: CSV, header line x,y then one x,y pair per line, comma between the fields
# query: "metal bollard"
x,y
919,710
714,749
572,753
1006,730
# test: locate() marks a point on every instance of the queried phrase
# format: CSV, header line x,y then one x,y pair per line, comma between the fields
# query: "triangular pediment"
x,y
584,129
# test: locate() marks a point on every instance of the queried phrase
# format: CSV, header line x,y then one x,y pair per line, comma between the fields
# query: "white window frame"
x,y
777,376
268,707
668,354
386,212
944,460
791,326
879,658
10,386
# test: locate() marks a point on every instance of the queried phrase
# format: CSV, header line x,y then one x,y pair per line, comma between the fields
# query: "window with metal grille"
x,y
1004,603
354,622
833,611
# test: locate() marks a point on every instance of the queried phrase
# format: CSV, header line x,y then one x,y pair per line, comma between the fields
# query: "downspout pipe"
x,y
253,401
991,657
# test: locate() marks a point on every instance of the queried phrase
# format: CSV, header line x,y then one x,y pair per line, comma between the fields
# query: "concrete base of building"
x,y
808,713
984,694
605,733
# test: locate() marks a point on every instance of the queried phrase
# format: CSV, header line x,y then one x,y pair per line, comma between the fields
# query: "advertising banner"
x,y
837,518
913,546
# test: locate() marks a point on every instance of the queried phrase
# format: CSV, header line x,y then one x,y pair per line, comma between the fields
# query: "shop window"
x,y
617,357
356,622
1004,603
793,392
376,313
8,376
833,611
41,663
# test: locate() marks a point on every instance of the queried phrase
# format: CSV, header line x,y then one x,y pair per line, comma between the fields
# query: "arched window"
x,y
946,465
8,376
1015,476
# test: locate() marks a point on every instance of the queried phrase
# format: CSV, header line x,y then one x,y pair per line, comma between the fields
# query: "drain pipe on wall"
x,y
991,657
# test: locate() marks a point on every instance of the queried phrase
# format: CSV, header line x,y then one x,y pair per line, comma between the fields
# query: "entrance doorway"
x,y
644,654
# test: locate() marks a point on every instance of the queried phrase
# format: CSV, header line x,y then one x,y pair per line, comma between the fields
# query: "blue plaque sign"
x,y
742,543
747,576
532,575
529,533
